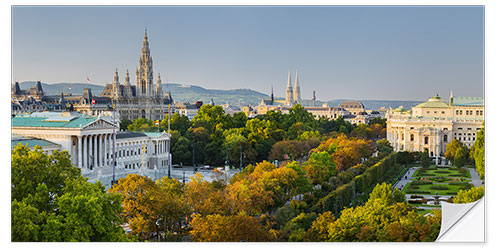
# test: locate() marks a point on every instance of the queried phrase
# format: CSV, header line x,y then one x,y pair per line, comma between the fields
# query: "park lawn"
x,y
442,172
426,189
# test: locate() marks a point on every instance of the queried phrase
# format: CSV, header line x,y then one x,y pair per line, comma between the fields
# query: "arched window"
x,y
426,140
445,138
411,137
432,153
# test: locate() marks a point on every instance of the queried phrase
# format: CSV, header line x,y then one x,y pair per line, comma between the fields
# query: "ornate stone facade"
x,y
433,124
142,100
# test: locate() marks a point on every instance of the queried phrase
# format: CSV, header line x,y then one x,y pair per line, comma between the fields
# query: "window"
x,y
459,138
460,128
469,128
473,138
457,112
460,112
442,112
445,138
480,112
402,137
435,112
426,140
411,137
477,112
445,128
428,112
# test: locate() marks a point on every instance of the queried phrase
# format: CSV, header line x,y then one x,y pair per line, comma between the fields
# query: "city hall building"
x,y
433,124
145,99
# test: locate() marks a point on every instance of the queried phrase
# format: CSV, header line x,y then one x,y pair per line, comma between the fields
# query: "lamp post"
x,y
168,143
113,181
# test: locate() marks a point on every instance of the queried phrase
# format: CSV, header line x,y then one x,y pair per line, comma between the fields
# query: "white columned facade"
x,y
110,148
95,150
105,138
85,151
101,156
79,152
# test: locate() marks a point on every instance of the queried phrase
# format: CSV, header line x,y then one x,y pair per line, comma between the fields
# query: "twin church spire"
x,y
292,95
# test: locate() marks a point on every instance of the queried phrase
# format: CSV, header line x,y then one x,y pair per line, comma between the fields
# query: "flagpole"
x,y
168,146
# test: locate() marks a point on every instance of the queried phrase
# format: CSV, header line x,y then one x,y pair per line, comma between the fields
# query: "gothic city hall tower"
x,y
144,100
144,73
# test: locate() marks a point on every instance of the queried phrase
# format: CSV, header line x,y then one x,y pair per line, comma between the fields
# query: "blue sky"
x,y
394,53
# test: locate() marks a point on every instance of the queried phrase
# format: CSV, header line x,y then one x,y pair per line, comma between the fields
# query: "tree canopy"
x,y
51,201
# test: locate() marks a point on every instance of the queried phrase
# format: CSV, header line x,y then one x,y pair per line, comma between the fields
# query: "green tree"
x,y
181,148
460,157
468,196
142,125
384,147
178,122
51,201
451,149
479,153
124,123
425,160
33,167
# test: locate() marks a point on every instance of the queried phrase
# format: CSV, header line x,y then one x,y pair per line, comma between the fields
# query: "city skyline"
x,y
337,50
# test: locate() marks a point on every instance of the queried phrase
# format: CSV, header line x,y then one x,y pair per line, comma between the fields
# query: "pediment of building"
x,y
100,124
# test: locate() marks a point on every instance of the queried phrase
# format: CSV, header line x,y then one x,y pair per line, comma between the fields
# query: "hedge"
x,y
382,171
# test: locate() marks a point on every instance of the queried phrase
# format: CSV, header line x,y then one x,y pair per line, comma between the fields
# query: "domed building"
x,y
433,124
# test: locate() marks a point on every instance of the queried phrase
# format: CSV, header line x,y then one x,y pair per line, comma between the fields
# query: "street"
x,y
105,174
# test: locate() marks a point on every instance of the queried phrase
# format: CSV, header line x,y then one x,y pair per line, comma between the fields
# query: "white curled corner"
x,y
462,222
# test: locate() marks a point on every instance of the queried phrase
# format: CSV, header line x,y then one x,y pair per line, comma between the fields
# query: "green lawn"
x,y
441,172
428,189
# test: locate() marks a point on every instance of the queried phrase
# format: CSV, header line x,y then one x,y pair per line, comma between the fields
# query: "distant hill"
x,y
377,104
184,93
180,92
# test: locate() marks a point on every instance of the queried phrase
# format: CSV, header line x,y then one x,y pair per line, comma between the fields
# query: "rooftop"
x,y
468,101
52,119
30,142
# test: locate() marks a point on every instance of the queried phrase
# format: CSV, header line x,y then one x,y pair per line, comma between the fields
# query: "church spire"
x,y
159,91
127,79
116,84
144,80
289,91
296,88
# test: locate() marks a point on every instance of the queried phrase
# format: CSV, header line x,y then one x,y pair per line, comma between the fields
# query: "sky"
x,y
341,52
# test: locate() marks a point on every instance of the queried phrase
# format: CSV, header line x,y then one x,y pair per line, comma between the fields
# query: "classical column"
x,y
85,155
79,150
101,150
105,138
95,150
